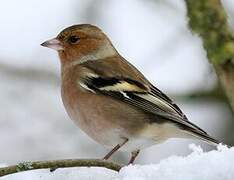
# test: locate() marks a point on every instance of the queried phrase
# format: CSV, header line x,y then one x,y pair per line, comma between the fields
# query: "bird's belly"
x,y
94,120
113,136
110,123
110,135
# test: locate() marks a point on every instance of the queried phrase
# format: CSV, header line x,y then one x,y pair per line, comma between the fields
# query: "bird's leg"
x,y
109,154
133,157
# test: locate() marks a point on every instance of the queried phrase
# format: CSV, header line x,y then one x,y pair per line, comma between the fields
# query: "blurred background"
x,y
153,35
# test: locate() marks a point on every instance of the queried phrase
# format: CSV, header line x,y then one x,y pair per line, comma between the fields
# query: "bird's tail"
x,y
207,138
202,135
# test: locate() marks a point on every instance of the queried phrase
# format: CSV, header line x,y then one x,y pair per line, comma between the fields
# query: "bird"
x,y
111,100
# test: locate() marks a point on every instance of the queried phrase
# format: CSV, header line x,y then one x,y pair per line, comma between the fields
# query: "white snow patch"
x,y
213,165
196,148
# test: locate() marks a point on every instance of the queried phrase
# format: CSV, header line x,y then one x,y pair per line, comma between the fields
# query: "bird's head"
x,y
81,42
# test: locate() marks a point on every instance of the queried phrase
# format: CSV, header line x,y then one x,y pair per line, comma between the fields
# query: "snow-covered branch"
x,y
212,165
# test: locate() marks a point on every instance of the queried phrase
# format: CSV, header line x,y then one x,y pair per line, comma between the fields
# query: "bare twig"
x,y
55,164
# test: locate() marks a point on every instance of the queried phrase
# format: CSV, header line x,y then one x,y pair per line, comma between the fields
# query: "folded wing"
x,y
149,99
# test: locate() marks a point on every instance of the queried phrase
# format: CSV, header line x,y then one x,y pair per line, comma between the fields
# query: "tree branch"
x,y
209,20
30,74
215,93
54,164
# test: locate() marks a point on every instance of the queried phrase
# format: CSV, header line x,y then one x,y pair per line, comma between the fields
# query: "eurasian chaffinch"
x,y
110,100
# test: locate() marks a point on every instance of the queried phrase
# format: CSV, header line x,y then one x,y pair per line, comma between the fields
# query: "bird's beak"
x,y
53,44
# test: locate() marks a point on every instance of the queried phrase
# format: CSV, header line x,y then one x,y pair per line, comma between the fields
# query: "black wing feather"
x,y
157,93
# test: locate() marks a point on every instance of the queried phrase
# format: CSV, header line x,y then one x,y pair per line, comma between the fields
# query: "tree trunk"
x,y
208,19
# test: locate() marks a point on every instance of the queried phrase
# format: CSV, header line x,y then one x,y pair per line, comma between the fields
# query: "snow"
x,y
198,165
212,165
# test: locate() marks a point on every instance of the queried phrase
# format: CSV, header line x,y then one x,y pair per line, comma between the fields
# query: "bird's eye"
x,y
73,39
